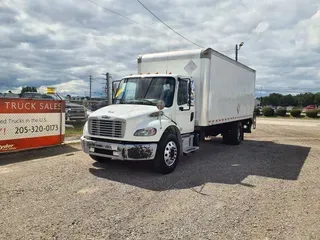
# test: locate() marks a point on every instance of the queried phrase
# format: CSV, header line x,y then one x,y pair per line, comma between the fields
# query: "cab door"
x,y
185,111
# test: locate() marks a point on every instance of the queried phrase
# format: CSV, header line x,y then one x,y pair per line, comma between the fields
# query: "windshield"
x,y
146,90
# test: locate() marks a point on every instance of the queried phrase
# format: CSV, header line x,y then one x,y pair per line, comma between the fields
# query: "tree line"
x,y
300,100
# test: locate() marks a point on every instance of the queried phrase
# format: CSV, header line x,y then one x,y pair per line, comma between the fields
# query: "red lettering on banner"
x,y
30,106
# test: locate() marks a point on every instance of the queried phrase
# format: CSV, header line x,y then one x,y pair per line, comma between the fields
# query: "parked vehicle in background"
x,y
310,107
161,115
9,95
97,105
289,108
74,112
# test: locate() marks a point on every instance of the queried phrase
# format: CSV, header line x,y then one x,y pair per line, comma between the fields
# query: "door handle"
x,y
191,116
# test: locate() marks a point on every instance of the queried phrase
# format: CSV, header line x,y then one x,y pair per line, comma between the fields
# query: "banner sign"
x,y
26,124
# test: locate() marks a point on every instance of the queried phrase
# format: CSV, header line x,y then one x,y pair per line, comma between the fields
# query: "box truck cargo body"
x,y
224,88
168,108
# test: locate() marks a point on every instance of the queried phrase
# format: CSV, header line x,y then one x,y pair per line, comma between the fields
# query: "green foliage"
x,y
28,89
312,113
303,99
257,111
295,112
317,98
281,112
268,112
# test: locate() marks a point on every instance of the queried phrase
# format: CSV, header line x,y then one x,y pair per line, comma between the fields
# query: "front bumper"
x,y
132,151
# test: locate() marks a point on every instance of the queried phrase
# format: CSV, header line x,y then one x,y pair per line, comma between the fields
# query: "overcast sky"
x,y
61,42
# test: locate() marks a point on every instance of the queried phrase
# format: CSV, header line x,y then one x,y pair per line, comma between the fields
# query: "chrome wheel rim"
x,y
170,153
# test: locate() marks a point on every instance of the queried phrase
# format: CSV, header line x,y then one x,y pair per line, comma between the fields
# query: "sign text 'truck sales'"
x,y
26,123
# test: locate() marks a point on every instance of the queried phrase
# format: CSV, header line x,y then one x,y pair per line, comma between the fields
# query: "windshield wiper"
x,y
123,102
137,101
145,101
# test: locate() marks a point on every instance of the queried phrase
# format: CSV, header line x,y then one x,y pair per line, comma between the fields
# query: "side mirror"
x,y
161,105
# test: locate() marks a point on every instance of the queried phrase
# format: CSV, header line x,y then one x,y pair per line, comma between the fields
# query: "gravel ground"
x,y
266,188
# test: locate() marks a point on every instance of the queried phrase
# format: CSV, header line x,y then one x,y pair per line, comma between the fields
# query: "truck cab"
x,y
152,118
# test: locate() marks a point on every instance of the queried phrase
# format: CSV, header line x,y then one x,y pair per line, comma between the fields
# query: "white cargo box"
x,y
224,88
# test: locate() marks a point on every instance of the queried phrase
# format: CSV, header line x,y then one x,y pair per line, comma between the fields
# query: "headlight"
x,y
146,132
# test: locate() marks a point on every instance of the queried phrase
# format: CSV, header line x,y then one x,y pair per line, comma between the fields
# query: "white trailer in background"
x,y
198,93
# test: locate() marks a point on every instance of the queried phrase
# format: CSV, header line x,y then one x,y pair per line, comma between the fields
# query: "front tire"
x,y
168,153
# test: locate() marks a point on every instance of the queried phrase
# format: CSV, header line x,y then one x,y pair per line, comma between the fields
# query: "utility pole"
x,y
260,96
106,85
108,88
90,79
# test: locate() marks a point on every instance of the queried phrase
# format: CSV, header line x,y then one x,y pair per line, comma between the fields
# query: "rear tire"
x,y
254,121
226,137
168,153
196,140
236,133
100,159
233,134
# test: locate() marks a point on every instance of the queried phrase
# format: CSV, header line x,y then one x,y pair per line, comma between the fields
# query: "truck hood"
x,y
124,111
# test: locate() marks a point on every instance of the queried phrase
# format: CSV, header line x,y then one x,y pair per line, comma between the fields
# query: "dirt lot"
x,y
266,188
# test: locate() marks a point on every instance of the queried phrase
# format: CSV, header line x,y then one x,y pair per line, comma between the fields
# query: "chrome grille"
x,y
107,128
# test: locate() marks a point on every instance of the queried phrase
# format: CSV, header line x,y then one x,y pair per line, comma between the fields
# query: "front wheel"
x,y
167,156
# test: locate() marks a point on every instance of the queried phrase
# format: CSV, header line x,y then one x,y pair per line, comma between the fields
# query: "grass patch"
x,y
75,131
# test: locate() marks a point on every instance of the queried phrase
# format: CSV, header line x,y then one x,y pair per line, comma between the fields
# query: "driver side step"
x,y
187,143
190,150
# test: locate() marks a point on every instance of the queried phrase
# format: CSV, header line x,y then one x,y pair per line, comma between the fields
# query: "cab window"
x,y
183,92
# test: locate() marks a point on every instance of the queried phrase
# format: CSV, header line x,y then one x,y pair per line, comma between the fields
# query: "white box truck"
x,y
176,100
